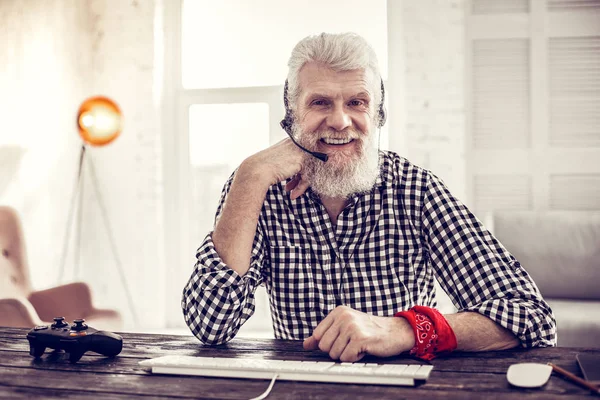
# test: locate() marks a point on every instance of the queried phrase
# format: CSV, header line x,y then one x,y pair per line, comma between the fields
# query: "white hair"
x,y
340,52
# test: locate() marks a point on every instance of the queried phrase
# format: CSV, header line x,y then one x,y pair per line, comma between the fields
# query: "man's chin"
x,y
338,164
341,161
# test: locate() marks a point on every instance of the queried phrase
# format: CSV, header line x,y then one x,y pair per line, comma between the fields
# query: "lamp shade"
x,y
99,120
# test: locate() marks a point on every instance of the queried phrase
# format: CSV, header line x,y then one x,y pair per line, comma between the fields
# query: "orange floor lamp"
x,y
99,121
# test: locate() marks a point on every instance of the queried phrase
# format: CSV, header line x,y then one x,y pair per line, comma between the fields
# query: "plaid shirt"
x,y
382,257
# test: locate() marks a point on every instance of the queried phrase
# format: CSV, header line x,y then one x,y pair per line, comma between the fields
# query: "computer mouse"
x,y
528,375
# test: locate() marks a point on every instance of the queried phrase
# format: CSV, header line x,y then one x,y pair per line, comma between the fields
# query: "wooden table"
x,y
462,375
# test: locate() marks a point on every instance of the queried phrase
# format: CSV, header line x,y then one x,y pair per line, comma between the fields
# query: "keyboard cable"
x,y
266,393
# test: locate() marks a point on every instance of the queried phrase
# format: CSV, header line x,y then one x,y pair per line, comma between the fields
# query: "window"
x,y
219,142
239,43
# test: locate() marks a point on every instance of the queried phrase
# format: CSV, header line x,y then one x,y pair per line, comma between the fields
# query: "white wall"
x,y
53,55
434,87
427,91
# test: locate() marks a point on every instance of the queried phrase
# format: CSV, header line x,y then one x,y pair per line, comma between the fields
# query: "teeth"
x,y
336,141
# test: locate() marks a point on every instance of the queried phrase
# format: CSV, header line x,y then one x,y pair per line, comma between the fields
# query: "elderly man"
x,y
349,248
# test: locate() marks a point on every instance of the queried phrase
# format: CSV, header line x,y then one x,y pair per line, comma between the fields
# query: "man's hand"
x,y
277,163
348,335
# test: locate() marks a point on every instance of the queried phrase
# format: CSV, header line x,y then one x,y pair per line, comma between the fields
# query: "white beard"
x,y
339,177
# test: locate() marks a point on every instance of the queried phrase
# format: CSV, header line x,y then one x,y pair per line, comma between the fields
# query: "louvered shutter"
x,y
574,66
533,105
501,88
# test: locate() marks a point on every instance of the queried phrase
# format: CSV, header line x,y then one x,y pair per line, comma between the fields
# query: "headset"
x,y
288,121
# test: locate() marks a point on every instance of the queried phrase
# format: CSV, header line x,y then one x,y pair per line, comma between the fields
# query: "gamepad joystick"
x,y
74,339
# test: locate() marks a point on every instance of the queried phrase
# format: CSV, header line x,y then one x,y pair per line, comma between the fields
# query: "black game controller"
x,y
74,339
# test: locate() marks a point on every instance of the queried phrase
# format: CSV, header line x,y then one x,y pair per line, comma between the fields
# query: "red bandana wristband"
x,y
433,334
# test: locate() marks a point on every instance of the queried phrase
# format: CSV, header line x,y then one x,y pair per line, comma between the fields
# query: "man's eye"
x,y
357,103
319,103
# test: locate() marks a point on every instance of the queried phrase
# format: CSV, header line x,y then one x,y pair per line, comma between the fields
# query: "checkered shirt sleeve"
x,y
216,300
478,273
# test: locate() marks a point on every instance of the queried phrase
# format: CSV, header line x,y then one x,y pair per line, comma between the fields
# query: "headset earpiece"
x,y
382,116
288,121
381,113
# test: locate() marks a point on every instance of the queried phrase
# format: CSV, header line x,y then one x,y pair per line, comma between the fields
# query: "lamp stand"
x,y
78,192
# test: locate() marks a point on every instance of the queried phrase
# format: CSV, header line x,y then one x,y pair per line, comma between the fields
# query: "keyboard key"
x,y
339,369
411,370
424,372
391,369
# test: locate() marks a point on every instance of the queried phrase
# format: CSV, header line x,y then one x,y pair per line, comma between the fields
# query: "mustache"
x,y
313,138
345,134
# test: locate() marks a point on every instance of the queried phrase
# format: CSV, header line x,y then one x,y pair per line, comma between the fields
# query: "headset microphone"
x,y
321,156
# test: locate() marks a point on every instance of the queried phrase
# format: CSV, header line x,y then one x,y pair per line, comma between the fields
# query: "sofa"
x,y
561,252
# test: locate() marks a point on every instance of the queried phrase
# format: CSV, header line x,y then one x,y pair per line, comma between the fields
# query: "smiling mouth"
x,y
336,142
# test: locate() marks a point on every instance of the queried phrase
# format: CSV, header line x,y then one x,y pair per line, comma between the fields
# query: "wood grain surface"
x,y
460,375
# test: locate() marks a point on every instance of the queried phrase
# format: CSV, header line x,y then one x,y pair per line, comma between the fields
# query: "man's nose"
x,y
339,119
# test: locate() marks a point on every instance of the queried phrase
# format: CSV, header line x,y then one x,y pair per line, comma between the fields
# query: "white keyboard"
x,y
314,371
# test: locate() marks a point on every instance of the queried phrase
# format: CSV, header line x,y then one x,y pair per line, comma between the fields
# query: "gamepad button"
x,y
59,322
79,325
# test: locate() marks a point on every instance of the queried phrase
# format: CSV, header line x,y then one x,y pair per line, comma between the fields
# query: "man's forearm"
x,y
235,230
476,332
